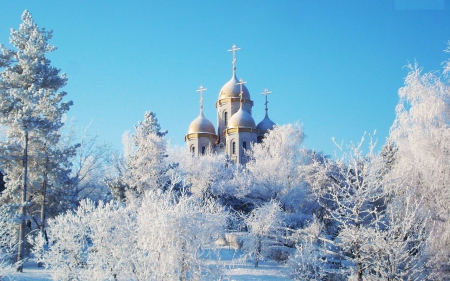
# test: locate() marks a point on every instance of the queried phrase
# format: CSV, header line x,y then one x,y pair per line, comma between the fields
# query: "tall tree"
x,y
145,164
421,134
31,108
378,234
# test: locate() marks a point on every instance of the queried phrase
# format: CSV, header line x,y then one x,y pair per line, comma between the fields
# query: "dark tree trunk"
x,y
23,210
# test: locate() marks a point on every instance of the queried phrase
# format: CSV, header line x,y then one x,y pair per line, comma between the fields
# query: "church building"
x,y
236,129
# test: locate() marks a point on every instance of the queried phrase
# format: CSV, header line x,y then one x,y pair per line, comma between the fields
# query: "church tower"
x,y
229,101
201,134
241,132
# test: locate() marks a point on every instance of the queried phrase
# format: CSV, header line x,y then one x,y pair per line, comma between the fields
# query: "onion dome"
x,y
231,90
201,125
241,119
265,125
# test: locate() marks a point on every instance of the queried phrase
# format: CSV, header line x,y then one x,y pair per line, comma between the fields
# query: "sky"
x,y
333,66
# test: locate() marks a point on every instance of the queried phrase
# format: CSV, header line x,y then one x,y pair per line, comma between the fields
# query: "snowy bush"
x,y
8,245
308,261
157,237
264,224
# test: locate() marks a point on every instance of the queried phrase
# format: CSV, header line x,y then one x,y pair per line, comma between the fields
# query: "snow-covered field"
x,y
234,270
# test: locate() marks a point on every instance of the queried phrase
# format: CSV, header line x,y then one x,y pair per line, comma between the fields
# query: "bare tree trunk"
x,y
23,210
258,251
358,254
184,265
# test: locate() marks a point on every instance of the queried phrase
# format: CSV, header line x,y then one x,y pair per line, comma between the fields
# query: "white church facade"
x,y
236,128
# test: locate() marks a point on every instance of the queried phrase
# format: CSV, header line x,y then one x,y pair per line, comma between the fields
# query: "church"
x,y
236,128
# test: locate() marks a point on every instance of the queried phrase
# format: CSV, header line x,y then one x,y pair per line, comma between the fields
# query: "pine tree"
x,y
144,165
31,109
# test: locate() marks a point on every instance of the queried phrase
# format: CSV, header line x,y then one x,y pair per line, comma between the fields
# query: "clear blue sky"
x,y
335,66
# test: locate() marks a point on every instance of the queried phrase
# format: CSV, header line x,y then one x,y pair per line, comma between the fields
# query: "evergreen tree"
x,y
144,165
31,109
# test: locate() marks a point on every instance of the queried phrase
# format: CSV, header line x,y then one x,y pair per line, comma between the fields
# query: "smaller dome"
x,y
241,119
231,90
201,125
265,125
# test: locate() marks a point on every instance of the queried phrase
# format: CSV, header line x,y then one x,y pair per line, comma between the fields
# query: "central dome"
x,y
201,125
231,90
241,119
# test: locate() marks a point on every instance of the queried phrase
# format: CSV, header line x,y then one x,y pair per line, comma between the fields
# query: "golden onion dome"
x,y
231,90
241,119
201,125
265,125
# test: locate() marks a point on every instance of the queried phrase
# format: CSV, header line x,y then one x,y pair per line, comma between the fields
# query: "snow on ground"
x,y
31,272
233,269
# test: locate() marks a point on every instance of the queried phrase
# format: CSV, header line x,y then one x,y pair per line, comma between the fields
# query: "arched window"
x,y
225,117
203,150
193,150
233,147
244,145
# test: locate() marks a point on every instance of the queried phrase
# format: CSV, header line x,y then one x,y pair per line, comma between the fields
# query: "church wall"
x,y
198,144
239,139
231,108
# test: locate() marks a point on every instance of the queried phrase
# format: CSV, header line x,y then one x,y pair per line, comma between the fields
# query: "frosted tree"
x,y
264,224
145,159
349,188
90,165
280,149
203,174
31,109
276,172
158,237
379,235
114,178
421,135
8,244
447,63
307,262
399,244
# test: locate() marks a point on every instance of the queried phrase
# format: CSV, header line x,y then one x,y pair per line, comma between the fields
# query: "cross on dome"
x,y
201,89
234,49
266,93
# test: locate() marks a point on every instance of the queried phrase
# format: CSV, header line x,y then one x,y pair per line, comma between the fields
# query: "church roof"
x,y
232,90
201,125
241,119
265,125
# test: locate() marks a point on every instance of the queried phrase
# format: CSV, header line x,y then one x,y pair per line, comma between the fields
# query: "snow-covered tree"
x,y
31,108
145,158
274,163
307,262
90,165
8,243
421,134
158,237
275,171
264,226
202,174
447,63
350,189
378,235
399,243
